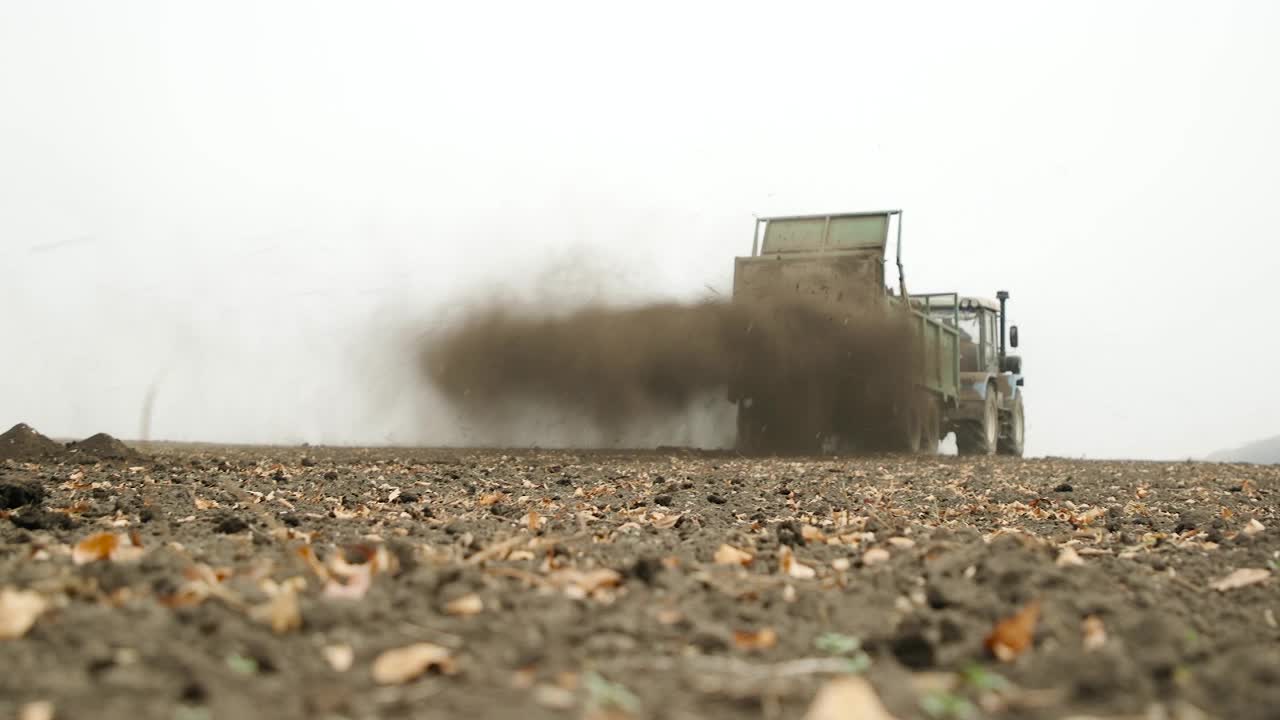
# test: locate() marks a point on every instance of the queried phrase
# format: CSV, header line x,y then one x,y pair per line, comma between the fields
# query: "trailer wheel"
x,y
1013,444
982,437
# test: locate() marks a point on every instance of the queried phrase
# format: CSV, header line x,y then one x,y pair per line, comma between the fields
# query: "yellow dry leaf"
x,y
730,555
666,522
847,698
1095,634
1068,557
1241,578
339,657
875,556
353,585
282,612
788,564
401,665
669,616
533,521
38,710
19,610
465,606
812,534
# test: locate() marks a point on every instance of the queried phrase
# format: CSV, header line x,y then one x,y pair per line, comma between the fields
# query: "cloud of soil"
x,y
630,372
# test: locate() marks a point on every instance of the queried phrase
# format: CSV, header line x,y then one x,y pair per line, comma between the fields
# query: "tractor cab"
x,y
981,324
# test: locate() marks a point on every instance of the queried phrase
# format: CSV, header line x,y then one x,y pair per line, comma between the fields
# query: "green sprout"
x,y
943,705
601,694
242,665
848,646
983,680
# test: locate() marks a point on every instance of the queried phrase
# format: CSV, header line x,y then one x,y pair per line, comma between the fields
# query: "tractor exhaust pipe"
x,y
1003,297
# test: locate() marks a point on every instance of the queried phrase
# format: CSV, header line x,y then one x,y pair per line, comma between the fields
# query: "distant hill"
x,y
1262,452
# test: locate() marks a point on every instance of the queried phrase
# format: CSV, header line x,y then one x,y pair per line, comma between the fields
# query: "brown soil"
x,y
22,442
814,370
594,586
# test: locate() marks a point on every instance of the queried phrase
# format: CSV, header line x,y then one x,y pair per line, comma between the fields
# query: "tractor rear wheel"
x,y
982,436
1013,444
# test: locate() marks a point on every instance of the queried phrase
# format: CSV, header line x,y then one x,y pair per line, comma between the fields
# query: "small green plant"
x,y
848,646
242,665
983,680
837,643
944,705
601,693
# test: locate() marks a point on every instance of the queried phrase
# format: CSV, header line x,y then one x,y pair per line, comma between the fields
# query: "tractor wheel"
x,y
930,428
981,437
1013,444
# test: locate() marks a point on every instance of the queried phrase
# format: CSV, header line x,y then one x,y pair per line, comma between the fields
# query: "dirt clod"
x,y
103,447
17,494
22,442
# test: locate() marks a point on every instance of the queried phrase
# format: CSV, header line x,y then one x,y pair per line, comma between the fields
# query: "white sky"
x,y
238,203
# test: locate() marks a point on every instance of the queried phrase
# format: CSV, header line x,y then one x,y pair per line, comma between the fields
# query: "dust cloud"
x,y
609,376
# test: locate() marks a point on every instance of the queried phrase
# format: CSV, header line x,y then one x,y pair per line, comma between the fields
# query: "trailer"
x,y
962,379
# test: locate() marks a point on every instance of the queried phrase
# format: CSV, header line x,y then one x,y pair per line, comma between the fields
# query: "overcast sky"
x,y
237,206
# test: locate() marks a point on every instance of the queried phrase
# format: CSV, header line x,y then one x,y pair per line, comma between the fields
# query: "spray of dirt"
x,y
801,374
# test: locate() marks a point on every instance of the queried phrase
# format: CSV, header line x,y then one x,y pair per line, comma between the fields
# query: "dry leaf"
x,y
339,657
812,534
281,612
352,586
524,678
1013,635
875,556
1095,634
491,499
666,522
1254,527
38,710
788,564
107,546
465,606
399,666
533,521
578,584
847,698
550,696
1241,578
19,610
1068,557
762,639
669,616
202,504
730,555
